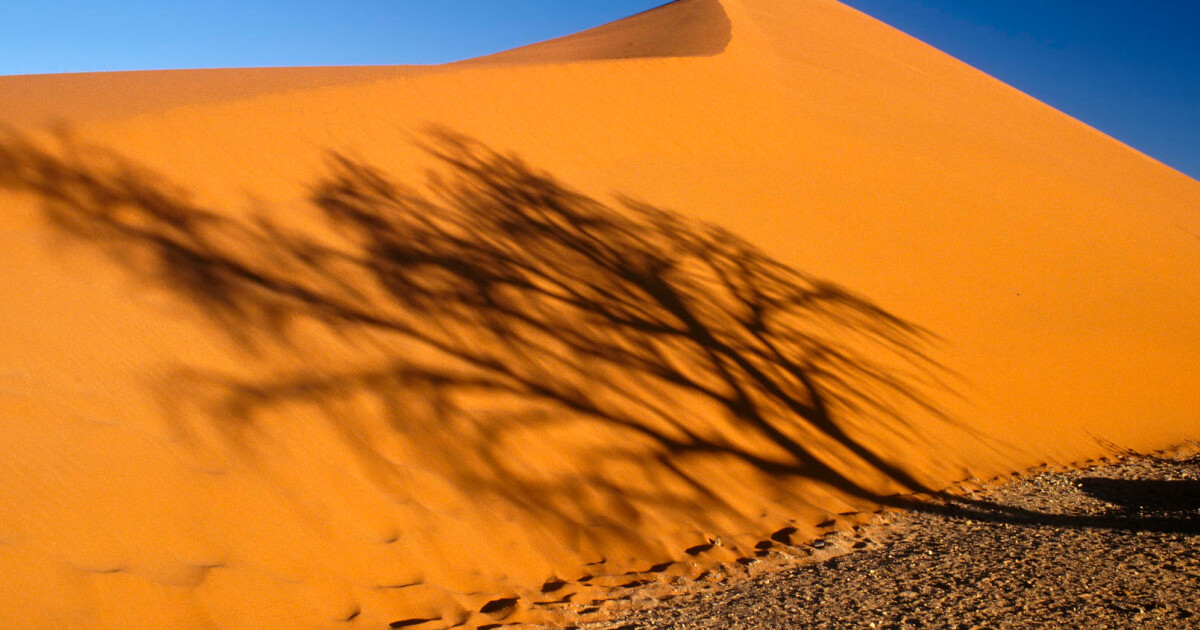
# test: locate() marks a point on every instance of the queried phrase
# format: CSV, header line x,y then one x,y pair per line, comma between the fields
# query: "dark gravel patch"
x,y
1114,546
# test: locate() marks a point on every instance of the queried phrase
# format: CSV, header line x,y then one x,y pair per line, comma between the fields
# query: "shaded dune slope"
x,y
684,28
473,344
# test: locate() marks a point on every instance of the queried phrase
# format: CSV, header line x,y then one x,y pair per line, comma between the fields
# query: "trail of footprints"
x,y
593,601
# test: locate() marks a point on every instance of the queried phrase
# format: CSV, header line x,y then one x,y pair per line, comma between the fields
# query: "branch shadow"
x,y
497,304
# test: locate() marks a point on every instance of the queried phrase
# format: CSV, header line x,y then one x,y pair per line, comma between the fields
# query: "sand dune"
x,y
350,347
686,28
52,99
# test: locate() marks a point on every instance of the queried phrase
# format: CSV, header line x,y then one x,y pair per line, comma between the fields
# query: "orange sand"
x,y
1053,267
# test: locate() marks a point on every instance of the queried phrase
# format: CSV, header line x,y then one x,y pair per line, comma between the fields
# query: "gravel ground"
x,y
1112,546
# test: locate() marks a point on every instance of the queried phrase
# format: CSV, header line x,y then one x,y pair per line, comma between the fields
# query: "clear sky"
x,y
1130,68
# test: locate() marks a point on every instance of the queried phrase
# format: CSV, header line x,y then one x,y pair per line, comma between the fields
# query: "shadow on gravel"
x,y
1145,495
1137,505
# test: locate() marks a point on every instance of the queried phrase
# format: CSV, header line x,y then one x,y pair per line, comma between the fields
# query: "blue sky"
x,y
1129,68
1126,67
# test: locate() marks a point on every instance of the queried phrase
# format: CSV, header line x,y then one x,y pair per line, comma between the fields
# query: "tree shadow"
x,y
497,303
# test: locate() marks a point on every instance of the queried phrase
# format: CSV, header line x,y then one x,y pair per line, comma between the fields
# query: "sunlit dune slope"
x,y
50,99
347,348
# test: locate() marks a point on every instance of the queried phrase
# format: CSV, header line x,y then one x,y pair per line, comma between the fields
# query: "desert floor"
x,y
1106,546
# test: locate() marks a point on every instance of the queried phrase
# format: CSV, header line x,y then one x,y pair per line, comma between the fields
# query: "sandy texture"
x,y
1108,546
444,345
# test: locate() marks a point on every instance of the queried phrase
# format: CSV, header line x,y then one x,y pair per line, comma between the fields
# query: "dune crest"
x,y
683,28
279,358
47,99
